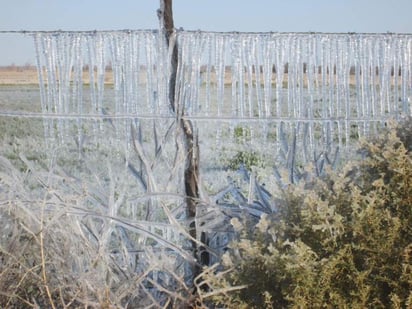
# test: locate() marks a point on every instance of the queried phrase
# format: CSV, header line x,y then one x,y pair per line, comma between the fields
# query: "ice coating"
x,y
289,97
327,89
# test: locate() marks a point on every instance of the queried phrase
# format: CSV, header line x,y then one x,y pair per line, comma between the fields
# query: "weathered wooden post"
x,y
191,173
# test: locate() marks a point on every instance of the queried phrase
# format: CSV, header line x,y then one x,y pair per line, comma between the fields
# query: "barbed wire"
x,y
57,31
194,118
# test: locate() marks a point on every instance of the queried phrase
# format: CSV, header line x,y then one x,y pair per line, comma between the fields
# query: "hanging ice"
x,y
328,89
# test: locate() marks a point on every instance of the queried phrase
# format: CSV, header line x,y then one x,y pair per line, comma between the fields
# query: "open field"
x,y
28,75
13,75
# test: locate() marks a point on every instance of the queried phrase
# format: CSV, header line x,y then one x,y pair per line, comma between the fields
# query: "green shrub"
x,y
248,159
343,241
245,158
242,134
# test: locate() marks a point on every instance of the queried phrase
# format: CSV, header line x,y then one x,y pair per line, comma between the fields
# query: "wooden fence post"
x,y
191,174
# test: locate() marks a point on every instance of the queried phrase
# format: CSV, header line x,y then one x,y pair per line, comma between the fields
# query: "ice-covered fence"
x,y
67,61
114,147
288,98
325,89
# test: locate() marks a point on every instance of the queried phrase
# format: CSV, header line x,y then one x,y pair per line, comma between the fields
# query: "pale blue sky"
x,y
216,15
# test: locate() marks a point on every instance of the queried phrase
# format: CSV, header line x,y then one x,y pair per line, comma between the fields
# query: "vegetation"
x,y
70,243
343,240
332,240
247,159
244,158
338,240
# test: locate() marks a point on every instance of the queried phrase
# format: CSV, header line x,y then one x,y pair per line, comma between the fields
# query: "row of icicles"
x,y
326,88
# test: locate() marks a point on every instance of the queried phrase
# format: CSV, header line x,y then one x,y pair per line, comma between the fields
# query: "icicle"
x,y
195,78
220,68
395,73
100,54
268,51
290,62
257,65
208,73
78,87
312,82
151,93
372,65
162,72
407,77
38,43
92,58
51,84
236,74
249,54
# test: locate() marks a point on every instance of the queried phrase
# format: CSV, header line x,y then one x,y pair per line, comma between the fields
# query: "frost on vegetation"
x,y
344,240
69,243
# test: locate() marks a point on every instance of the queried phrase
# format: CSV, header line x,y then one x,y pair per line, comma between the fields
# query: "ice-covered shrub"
x,y
343,241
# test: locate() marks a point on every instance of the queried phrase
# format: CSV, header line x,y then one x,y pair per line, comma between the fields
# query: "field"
x,y
96,204
28,75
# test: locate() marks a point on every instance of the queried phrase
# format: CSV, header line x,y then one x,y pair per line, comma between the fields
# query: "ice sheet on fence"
x,y
329,89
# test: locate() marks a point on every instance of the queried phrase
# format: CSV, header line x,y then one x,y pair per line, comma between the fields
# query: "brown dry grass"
x,y
27,75
18,76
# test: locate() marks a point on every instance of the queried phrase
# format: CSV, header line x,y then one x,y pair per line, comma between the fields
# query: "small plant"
x,y
344,241
242,134
247,159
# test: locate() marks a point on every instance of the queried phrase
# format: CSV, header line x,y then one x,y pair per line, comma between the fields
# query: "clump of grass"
x,y
343,241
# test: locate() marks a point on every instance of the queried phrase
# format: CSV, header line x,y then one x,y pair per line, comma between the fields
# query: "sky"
x,y
213,15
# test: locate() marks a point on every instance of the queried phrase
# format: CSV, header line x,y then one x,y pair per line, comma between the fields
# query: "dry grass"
x,y
15,75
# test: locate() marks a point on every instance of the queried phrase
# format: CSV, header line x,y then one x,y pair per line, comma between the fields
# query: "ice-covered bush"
x,y
342,241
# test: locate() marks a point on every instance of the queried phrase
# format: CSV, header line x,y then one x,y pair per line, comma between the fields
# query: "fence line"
x,y
237,78
334,84
171,117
